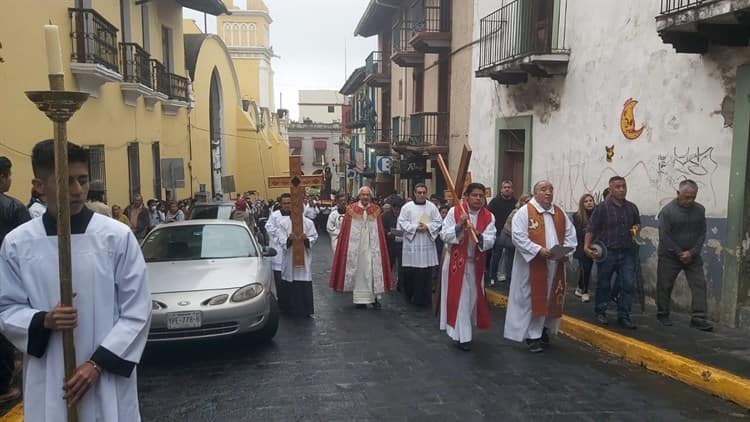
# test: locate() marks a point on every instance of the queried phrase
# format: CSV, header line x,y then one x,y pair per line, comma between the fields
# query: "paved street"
x,y
348,364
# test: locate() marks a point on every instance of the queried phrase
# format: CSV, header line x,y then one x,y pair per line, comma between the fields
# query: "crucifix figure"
x,y
463,179
296,182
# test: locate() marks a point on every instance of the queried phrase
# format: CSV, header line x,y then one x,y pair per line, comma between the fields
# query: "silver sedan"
x,y
209,278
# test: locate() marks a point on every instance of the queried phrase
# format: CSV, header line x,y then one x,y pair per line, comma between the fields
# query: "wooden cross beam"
x,y
463,178
296,182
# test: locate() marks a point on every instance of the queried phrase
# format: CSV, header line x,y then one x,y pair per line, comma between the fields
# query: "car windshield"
x,y
189,242
211,212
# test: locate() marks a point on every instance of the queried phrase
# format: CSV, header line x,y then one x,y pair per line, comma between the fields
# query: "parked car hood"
x,y
204,274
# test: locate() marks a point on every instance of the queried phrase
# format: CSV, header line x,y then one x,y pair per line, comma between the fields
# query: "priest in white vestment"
x,y
297,281
275,236
420,222
110,314
462,301
335,219
544,238
360,262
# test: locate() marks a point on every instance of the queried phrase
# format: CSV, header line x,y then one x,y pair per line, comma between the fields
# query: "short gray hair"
x,y
539,183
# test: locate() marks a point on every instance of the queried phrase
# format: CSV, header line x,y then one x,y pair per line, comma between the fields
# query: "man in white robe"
x,y
335,218
297,281
462,301
111,312
360,263
538,287
275,237
420,222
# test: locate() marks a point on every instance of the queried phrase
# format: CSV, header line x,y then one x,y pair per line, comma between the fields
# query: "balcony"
x,y
524,38
172,89
404,53
424,133
378,139
377,70
94,60
362,111
692,26
432,26
136,75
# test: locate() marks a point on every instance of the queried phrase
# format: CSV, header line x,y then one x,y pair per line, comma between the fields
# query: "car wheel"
x,y
272,323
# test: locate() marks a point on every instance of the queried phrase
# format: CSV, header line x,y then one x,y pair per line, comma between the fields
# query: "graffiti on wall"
x,y
627,120
659,176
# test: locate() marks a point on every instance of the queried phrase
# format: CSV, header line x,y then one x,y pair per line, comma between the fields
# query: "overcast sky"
x,y
309,38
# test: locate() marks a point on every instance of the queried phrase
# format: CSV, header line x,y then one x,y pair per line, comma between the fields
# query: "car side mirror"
x,y
269,251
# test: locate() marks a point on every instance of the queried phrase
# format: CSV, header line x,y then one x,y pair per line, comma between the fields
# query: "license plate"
x,y
181,320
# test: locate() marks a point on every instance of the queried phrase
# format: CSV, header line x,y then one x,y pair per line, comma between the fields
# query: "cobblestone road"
x,y
394,364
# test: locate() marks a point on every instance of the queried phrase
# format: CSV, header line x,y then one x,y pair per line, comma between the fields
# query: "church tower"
x,y
247,34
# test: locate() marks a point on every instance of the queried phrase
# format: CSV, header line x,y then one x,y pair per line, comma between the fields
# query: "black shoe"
x,y
602,319
545,337
701,324
377,305
535,346
664,319
626,323
360,306
466,347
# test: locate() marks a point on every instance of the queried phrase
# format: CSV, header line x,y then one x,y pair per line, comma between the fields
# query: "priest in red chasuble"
x,y
544,238
360,261
462,301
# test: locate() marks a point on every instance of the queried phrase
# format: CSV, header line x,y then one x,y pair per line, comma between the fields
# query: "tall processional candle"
x,y
54,52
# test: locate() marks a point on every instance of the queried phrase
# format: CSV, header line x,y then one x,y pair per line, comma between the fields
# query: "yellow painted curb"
x,y
14,415
694,373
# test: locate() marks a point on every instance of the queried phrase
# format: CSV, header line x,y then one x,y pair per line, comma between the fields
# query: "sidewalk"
x,y
717,362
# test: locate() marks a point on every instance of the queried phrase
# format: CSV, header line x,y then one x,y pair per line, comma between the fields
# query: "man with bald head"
x,y
360,261
536,294
682,232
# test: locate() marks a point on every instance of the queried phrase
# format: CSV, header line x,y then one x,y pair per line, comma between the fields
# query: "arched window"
x,y
243,35
227,35
236,34
252,35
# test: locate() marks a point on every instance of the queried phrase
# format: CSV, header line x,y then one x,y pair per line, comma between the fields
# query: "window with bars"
x,y
156,162
97,168
134,169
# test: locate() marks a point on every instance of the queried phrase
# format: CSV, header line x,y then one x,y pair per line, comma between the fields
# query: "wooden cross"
x,y
296,182
463,179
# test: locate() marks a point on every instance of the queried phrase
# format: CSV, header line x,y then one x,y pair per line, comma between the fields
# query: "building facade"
x,y
418,83
129,57
576,92
318,145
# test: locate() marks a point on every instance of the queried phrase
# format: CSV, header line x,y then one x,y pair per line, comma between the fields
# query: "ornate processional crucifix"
x,y
296,182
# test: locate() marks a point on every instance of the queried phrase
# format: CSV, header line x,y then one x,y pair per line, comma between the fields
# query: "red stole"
x,y
338,268
540,303
459,255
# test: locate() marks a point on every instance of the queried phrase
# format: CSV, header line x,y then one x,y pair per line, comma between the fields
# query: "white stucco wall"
x,y
616,54
313,104
308,150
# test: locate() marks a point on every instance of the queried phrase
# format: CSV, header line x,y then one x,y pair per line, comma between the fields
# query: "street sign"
x,y
384,164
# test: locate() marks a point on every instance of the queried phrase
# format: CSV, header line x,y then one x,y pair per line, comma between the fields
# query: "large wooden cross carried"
x,y
296,182
463,178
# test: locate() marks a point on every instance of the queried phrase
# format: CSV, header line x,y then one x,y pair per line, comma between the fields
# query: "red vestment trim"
x,y
459,255
338,267
540,303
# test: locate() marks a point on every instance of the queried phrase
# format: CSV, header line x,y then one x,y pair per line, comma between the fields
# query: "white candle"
x,y
54,53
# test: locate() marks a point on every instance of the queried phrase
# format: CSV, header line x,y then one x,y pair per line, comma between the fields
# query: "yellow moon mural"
x,y
627,120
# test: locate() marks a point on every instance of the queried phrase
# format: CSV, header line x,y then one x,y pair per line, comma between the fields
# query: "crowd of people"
x,y
434,252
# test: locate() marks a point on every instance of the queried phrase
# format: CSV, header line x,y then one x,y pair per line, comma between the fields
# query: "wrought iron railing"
x,y
403,30
429,129
400,127
377,63
670,6
160,77
377,136
178,87
94,38
431,16
522,28
136,64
